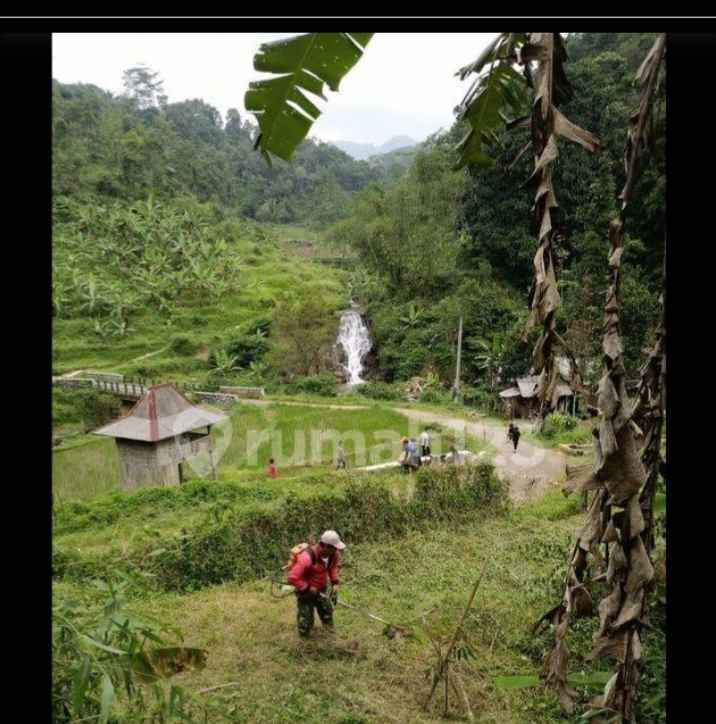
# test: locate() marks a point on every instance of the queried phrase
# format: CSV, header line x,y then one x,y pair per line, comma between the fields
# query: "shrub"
x,y
91,678
259,325
441,491
76,516
481,398
324,384
182,345
434,396
557,423
211,385
252,543
246,348
379,391
84,405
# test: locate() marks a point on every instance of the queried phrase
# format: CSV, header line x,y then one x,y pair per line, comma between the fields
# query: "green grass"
x,y
361,675
85,471
289,433
121,522
580,435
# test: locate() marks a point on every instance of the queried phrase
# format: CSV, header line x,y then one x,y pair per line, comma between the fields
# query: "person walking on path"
x,y
314,567
424,444
413,454
340,456
514,434
271,470
405,455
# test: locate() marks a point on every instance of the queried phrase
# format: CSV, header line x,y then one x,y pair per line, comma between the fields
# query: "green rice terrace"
x,y
329,351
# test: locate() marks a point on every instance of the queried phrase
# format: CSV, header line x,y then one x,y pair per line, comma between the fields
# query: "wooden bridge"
x,y
131,389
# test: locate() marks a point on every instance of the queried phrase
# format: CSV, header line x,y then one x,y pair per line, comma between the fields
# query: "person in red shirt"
x,y
271,471
310,575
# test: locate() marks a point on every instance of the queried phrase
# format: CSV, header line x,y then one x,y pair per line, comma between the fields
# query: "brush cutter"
x,y
390,629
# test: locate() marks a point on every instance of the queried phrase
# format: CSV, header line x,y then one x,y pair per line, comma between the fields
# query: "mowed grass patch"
x,y
361,675
289,433
306,436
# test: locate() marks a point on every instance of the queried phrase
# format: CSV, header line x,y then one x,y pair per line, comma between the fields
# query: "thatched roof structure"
x,y
161,413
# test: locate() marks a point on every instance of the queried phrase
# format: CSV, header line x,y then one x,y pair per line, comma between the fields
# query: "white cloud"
x,y
404,84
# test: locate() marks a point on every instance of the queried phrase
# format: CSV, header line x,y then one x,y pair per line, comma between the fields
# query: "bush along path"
x,y
529,471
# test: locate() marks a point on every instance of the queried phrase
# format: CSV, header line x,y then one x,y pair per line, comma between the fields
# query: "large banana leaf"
x,y
302,63
497,90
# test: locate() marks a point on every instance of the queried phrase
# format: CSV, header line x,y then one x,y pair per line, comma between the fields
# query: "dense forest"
x,y
127,146
442,242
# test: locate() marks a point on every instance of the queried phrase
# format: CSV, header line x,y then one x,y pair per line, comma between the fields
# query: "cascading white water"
x,y
354,338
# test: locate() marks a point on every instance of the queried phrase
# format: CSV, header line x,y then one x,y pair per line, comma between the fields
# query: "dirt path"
x,y
529,471
328,406
75,373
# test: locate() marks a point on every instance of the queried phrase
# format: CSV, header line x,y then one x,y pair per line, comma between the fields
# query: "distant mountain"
x,y
394,162
397,142
362,151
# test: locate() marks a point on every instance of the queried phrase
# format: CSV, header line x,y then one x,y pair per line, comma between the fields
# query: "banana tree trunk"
x,y
615,516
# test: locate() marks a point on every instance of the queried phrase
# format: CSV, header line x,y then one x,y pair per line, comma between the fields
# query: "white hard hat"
x,y
331,538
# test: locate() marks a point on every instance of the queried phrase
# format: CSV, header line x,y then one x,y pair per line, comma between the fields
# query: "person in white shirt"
x,y
424,444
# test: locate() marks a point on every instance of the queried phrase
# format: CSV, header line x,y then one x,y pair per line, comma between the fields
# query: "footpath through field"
x,y
529,471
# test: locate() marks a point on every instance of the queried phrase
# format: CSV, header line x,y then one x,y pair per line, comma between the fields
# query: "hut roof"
x,y
528,386
162,412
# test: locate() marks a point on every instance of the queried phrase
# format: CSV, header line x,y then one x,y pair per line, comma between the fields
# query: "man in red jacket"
x,y
309,576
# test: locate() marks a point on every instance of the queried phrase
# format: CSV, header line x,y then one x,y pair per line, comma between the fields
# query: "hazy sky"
x,y
404,84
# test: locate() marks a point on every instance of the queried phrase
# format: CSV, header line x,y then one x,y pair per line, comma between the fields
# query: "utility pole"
x,y
456,386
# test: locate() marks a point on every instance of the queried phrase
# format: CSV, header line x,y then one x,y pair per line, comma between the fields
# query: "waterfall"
x,y
353,337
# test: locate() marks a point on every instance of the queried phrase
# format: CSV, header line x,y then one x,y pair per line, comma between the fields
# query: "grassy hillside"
x,y
420,580
265,271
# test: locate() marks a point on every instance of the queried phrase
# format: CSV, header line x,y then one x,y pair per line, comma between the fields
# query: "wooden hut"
x,y
521,401
157,435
